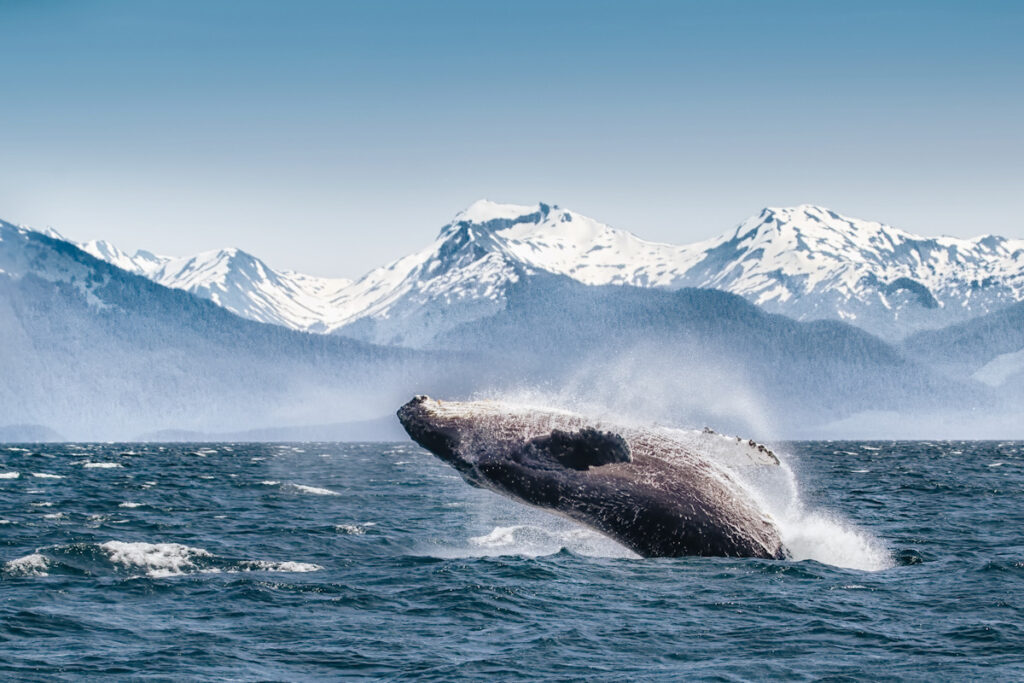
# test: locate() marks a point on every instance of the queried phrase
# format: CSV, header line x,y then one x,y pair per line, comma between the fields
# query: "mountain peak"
x,y
813,212
810,221
486,211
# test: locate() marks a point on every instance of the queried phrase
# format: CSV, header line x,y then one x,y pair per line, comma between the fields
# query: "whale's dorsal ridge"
x,y
584,448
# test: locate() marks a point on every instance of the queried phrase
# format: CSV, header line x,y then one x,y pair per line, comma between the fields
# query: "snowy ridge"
x,y
236,280
806,262
811,263
21,254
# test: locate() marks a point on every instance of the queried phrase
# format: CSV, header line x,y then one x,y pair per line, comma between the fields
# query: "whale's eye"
x,y
583,449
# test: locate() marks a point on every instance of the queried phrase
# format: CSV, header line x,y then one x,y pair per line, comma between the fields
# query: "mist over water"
x,y
685,386
808,532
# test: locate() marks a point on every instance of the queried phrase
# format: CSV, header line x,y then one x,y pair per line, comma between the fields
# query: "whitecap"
x,y
101,465
29,565
266,566
157,559
9,475
129,504
54,515
314,490
160,560
996,464
354,529
44,475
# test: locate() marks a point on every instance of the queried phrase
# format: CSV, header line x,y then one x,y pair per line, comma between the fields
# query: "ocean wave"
x,y
137,559
156,559
29,565
314,490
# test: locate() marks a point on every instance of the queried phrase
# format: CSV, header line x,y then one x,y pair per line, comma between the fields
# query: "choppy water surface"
x,y
326,560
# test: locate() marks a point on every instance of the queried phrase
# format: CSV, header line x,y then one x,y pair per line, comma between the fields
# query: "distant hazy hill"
x,y
384,428
989,348
701,355
28,434
806,262
97,352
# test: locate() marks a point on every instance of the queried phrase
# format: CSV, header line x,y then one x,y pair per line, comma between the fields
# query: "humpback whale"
x,y
659,492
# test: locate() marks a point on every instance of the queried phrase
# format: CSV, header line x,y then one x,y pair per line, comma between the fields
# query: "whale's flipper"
x,y
583,449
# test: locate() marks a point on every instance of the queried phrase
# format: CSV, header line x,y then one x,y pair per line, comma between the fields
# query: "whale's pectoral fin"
x,y
583,449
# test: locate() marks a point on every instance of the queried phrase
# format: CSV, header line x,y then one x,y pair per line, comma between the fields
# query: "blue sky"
x,y
330,137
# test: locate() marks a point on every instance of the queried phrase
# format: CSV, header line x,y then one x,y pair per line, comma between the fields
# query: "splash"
x,y
537,537
504,528
808,533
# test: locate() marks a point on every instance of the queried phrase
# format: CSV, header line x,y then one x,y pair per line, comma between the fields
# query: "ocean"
x,y
326,561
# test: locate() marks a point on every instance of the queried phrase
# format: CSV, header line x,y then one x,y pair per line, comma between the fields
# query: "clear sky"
x,y
329,137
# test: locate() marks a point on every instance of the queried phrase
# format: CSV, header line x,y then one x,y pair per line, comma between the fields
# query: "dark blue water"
x,y
331,560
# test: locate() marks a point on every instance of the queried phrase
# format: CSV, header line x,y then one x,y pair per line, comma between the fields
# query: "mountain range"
x,y
806,262
797,323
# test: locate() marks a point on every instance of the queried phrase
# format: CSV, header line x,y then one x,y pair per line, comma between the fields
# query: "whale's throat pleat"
x,y
582,449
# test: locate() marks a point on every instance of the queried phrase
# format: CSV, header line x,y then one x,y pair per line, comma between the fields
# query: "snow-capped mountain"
x,y
806,262
236,280
811,263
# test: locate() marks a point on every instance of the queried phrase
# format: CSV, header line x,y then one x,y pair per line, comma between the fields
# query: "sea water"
x,y
296,561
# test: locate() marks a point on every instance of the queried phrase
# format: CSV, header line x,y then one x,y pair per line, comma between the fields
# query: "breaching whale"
x,y
659,492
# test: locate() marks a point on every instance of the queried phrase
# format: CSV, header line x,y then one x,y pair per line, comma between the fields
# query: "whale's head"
x,y
438,430
495,446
